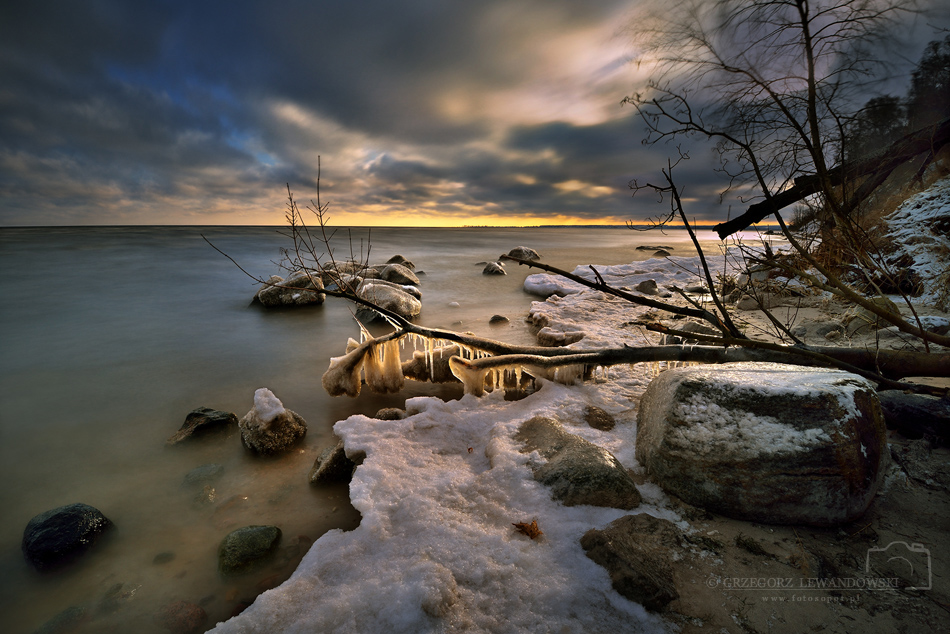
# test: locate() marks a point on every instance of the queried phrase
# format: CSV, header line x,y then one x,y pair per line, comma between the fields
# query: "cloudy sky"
x,y
424,112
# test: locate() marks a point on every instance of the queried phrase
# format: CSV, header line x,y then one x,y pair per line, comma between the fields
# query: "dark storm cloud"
x,y
166,111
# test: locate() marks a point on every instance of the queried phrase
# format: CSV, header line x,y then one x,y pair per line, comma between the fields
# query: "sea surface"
x,y
109,336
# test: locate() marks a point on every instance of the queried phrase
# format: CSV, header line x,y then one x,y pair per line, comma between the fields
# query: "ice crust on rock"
x,y
267,405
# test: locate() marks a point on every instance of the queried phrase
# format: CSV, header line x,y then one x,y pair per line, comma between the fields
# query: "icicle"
x,y
472,378
343,375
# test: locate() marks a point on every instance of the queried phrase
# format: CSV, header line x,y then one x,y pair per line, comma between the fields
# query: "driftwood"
x,y
927,140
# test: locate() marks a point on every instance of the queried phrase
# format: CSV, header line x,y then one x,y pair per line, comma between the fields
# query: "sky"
x,y
418,113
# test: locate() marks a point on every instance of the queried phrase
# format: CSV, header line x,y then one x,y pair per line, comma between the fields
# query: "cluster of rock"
x,y
392,286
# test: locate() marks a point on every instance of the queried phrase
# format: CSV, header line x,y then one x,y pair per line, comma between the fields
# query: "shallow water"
x,y
110,336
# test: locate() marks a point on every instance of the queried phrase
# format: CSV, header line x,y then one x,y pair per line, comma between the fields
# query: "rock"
x,y
862,320
203,474
917,459
301,288
577,471
398,274
65,622
646,247
331,466
247,548
494,268
392,298
636,551
660,253
398,259
524,253
917,415
390,413
758,301
598,418
61,535
269,428
201,421
695,289
765,442
647,287
498,319
163,558
181,617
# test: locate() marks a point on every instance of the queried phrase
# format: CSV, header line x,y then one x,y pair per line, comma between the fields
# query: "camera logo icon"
x,y
909,562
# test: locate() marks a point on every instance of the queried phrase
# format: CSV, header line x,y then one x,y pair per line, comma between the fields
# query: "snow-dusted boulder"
x,y
269,428
576,470
391,297
765,442
299,289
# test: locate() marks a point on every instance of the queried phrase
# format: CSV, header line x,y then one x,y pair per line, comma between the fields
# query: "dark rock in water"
x,y
59,536
765,442
390,413
269,427
163,558
578,472
245,549
917,415
202,421
498,319
332,466
636,551
204,474
181,617
65,622
660,253
524,253
646,247
494,268
115,597
598,418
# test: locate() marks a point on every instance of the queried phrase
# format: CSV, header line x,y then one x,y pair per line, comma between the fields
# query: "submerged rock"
x,y
201,421
181,617
66,621
247,548
61,535
269,428
765,442
204,474
577,471
637,552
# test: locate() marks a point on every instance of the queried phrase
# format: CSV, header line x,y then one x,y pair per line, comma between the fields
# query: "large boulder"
x,y
524,253
765,442
637,551
391,298
201,421
577,471
398,274
59,536
246,549
270,428
301,288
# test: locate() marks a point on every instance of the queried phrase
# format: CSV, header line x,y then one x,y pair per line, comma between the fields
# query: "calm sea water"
x,y
110,336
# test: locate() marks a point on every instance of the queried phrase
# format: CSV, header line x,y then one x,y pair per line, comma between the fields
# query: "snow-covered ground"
x,y
439,491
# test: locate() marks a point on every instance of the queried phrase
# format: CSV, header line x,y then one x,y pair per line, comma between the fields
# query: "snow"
x,y
912,227
266,406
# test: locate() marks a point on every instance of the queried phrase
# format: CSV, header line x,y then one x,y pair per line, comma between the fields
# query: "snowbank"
x,y
436,550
